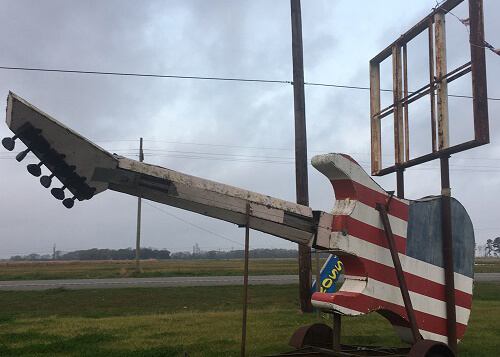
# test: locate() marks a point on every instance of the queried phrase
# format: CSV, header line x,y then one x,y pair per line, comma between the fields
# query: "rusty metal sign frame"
x,y
437,88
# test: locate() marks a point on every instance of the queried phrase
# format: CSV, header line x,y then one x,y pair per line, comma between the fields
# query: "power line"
x,y
192,224
224,79
149,75
279,160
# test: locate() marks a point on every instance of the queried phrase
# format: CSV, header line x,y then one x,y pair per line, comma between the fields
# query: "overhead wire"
x,y
225,79
192,224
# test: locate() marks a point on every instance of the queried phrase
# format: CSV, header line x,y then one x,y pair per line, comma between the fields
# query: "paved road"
x,y
145,282
170,281
487,277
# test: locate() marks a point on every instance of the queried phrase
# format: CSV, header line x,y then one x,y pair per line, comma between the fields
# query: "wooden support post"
x,y
300,150
245,283
139,203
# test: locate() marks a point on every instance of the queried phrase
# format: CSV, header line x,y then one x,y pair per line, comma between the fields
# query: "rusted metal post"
x,y
337,329
406,109
449,271
300,150
399,134
139,203
397,88
442,85
375,116
318,282
430,26
400,183
245,283
444,143
399,272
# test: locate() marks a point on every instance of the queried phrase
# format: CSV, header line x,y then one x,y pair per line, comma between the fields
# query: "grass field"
x,y
205,321
150,268
156,268
487,265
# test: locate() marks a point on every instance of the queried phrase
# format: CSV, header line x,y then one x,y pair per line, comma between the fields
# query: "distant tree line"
x,y
238,254
98,254
152,253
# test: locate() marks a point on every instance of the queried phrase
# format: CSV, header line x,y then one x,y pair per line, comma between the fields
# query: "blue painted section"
x,y
329,275
425,240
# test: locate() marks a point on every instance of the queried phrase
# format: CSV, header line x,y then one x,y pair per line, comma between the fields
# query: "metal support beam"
x,y
442,86
245,283
399,273
397,88
449,271
431,84
336,333
139,204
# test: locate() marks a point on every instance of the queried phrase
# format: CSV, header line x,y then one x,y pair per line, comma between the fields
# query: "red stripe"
x,y
366,232
353,190
365,304
339,223
373,235
356,266
350,159
415,283
353,265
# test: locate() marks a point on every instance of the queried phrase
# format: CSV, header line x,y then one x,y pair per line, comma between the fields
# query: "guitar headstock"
x,y
68,156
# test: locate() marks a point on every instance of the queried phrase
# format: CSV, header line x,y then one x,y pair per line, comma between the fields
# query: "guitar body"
x,y
359,239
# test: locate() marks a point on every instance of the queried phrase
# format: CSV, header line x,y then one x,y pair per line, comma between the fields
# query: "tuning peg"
x,y
46,181
58,192
69,202
20,157
35,169
9,143
89,192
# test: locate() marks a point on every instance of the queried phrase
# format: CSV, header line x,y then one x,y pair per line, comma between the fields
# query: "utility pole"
x,y
139,202
301,181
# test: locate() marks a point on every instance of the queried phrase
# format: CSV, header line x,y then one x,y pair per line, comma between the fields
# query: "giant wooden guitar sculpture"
x,y
353,230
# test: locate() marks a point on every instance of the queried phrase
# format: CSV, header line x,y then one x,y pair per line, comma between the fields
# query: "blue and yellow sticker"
x,y
329,275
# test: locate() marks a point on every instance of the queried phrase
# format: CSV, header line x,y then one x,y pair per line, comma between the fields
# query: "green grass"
x,y
205,321
150,268
487,265
156,268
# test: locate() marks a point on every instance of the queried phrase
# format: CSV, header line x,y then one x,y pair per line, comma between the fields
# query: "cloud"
x,y
248,125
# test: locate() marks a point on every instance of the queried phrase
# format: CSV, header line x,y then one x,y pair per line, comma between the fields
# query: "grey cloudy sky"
x,y
236,133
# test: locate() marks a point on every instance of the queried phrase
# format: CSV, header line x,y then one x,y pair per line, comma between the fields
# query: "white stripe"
x,y
406,335
371,216
375,253
326,307
422,303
